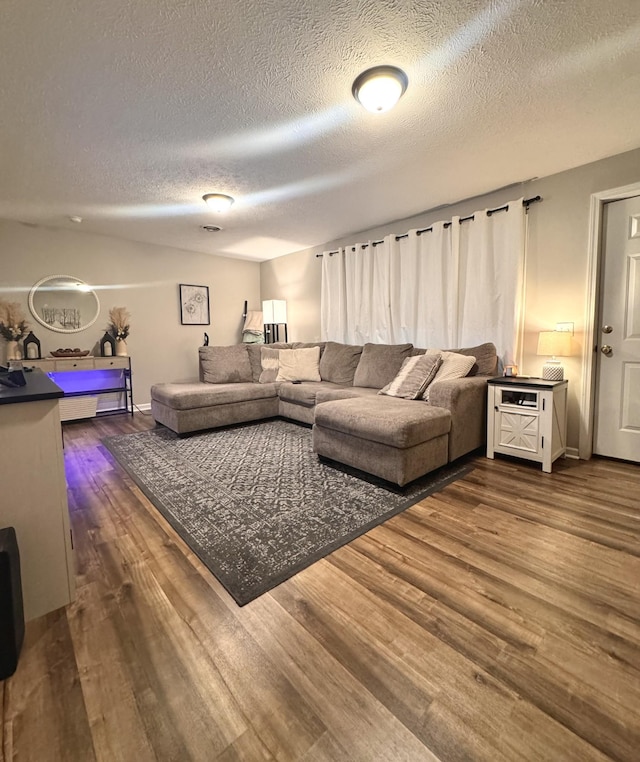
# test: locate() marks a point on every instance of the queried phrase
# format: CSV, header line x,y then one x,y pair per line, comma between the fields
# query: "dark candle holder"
x,y
107,345
31,347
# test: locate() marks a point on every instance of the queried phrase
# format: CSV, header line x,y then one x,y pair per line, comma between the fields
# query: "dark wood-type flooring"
x,y
498,620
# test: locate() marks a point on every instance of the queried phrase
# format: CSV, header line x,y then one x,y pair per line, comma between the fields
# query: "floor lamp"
x,y
274,314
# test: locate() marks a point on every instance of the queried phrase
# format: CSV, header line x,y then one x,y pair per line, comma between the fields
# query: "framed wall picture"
x,y
194,304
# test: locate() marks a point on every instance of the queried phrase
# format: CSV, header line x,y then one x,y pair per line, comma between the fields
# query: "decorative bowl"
x,y
70,352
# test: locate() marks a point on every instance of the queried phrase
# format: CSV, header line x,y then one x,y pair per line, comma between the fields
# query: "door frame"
x,y
595,254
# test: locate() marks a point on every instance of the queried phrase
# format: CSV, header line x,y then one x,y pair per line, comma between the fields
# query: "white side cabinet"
x,y
527,418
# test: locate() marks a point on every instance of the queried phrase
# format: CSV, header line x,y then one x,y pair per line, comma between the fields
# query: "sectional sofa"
x,y
391,410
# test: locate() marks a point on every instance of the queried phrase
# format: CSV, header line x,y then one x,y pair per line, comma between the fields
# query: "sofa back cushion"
x,y
380,363
486,363
225,365
339,362
309,345
270,361
486,358
255,359
299,364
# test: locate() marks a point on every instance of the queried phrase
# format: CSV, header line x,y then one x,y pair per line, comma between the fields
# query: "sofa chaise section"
x,y
187,407
385,437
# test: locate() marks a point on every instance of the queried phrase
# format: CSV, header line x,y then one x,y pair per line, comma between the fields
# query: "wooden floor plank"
x,y
496,620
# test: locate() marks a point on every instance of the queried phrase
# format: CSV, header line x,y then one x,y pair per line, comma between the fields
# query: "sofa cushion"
x,y
270,362
299,364
380,363
413,377
306,393
390,421
339,362
344,393
185,396
225,365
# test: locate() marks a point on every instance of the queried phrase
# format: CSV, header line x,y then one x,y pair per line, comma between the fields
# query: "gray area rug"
x,y
255,503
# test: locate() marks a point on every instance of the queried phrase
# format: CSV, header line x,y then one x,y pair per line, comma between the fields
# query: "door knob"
x,y
606,350
607,328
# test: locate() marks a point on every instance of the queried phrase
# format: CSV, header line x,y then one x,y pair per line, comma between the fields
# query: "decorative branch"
x,y
119,322
13,324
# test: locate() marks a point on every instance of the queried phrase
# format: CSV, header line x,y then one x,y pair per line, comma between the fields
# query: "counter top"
x,y
39,387
528,381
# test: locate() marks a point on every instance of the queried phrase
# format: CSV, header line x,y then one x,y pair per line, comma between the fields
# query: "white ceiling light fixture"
x,y
380,88
218,202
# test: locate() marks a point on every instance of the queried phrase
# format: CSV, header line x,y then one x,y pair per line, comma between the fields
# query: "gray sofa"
x,y
394,438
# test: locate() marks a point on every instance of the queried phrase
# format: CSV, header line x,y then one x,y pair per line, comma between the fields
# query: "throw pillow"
x,y
299,364
270,364
380,364
225,365
339,362
453,366
413,377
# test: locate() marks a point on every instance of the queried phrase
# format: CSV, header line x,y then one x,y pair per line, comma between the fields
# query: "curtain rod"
x,y
526,203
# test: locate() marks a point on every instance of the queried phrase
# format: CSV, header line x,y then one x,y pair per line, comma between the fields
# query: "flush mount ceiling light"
x,y
380,88
218,202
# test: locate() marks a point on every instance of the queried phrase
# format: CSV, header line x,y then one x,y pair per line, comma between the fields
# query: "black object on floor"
x,y
11,609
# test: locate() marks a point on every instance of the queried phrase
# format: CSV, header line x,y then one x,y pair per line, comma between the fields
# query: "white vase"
x,y
121,348
13,351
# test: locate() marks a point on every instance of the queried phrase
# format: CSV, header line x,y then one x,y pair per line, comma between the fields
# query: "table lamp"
x,y
554,344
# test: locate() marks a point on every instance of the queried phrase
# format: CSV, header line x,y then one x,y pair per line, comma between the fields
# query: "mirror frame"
x,y
34,312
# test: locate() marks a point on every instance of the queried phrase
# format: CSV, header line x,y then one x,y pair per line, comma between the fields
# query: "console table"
x,y
92,385
34,492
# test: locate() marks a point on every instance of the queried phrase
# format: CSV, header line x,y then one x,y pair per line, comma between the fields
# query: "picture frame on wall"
x,y
194,304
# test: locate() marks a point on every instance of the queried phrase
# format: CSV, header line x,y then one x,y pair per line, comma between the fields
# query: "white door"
x,y
617,424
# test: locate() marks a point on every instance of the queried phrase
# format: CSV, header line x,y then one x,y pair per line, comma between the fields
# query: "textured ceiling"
x,y
125,112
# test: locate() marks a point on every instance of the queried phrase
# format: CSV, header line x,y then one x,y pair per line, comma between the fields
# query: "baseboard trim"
x,y
573,453
143,408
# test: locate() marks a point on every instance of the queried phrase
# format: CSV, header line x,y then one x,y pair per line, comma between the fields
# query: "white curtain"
x,y
491,259
456,284
423,279
333,298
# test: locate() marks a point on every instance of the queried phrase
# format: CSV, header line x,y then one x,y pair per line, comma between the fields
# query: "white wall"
x,y
141,277
556,275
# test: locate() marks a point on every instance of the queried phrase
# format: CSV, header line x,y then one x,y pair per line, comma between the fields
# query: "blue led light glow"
x,y
83,381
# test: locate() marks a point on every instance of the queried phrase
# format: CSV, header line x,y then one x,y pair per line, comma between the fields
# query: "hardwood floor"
x,y
497,620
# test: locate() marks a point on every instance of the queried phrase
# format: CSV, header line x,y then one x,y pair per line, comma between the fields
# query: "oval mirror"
x,y
64,304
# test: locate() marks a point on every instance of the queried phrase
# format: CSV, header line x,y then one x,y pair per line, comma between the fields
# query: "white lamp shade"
x,y
274,311
554,343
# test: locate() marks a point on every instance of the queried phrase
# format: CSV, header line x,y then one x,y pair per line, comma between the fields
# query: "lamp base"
x,y
552,371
